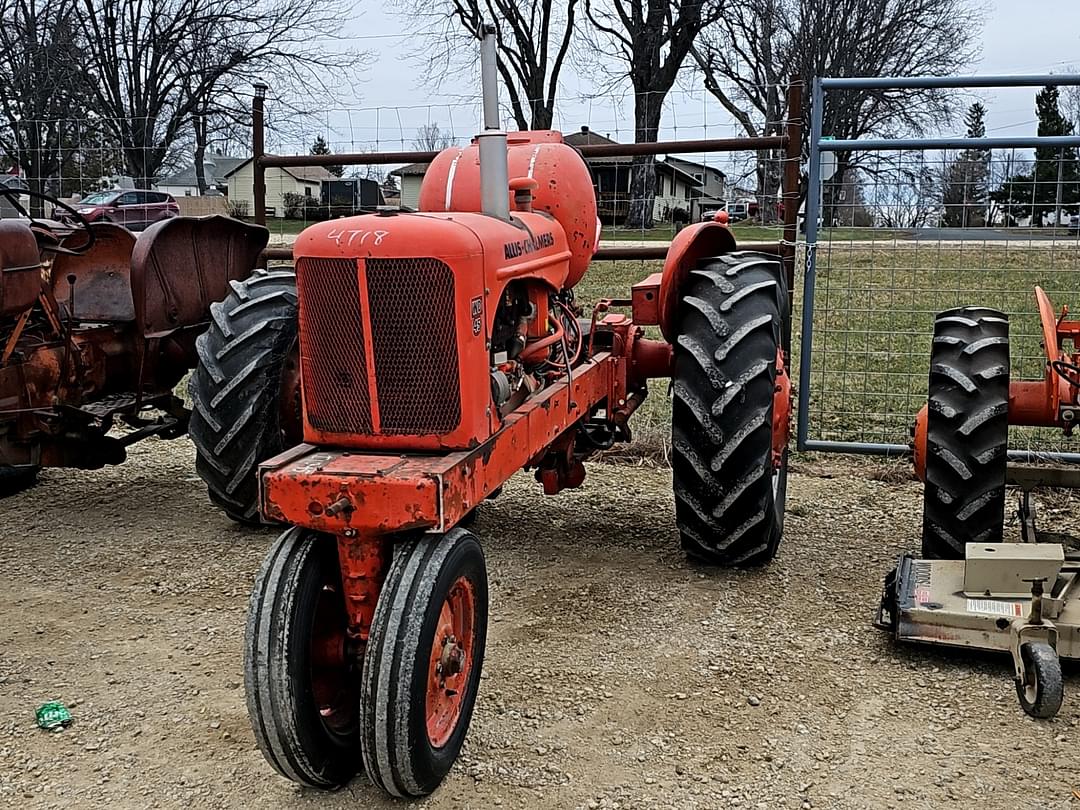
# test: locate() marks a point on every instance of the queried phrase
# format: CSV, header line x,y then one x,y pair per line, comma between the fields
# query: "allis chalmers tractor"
x,y
440,352
97,328
970,589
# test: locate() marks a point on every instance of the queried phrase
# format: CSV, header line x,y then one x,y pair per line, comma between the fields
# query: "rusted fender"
x,y
690,245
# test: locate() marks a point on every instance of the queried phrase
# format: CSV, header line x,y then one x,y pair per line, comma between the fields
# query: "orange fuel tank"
x,y
564,187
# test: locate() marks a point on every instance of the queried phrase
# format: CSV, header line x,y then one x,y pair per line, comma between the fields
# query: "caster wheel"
x,y
302,687
423,660
1042,689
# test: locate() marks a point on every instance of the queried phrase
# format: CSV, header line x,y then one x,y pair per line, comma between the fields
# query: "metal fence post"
x,y
813,204
258,149
790,195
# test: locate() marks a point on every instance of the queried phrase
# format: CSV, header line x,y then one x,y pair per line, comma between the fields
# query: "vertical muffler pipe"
x,y
494,177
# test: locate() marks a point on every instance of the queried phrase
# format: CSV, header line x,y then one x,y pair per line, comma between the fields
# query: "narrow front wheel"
x,y
423,660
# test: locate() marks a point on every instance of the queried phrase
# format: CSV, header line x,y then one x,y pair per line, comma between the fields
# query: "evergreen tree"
x,y
321,147
966,179
1055,178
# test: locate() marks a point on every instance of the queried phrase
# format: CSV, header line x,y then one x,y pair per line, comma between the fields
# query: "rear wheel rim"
x,y
451,662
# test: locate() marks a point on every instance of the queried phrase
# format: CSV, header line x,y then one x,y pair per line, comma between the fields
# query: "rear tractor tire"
x,y
246,389
729,495
967,432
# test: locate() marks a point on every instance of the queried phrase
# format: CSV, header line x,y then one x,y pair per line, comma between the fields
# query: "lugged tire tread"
x,y
967,432
235,389
730,322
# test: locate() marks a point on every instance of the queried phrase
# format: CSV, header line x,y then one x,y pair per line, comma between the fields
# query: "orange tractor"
x,y
442,351
98,327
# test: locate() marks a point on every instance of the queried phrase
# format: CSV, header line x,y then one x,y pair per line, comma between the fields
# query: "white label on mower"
x,y
995,607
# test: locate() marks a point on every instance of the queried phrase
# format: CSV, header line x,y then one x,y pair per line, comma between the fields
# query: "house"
x,y
712,193
185,183
411,177
305,180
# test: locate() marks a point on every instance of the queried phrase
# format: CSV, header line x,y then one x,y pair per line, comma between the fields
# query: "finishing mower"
x,y
440,352
97,326
972,590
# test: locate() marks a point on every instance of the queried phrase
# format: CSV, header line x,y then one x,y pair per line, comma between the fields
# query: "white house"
x,y
305,180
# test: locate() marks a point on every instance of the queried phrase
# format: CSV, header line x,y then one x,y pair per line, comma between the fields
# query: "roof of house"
x,y
414,169
586,137
696,165
313,174
217,166
686,177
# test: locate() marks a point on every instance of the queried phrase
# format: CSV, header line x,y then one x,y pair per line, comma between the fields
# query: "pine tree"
x,y
1056,175
321,147
966,179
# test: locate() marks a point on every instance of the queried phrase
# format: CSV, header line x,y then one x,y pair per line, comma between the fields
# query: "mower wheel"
x,y
246,388
729,495
303,689
423,660
1042,690
15,479
967,432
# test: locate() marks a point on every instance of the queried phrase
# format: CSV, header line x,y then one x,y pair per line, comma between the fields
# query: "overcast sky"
x,y
1032,36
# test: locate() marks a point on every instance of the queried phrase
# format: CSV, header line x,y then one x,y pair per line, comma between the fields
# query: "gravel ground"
x,y
618,675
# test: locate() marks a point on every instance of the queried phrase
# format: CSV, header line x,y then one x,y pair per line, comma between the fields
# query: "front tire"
x,y
302,696
967,432
423,661
1042,690
246,389
729,495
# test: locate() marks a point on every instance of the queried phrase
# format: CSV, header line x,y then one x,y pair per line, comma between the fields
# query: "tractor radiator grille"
x,y
414,338
333,362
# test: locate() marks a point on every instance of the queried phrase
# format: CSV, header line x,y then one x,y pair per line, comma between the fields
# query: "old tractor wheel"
x,y
303,686
423,660
1042,690
729,494
15,479
246,389
967,432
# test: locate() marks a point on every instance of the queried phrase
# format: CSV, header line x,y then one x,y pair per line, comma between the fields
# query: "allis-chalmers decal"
x,y
523,247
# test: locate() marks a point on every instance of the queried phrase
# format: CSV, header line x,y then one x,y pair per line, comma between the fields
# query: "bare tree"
x,y
751,51
153,64
533,39
651,38
41,93
430,138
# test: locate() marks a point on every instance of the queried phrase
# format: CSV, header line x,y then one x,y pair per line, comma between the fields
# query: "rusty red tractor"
x,y
98,327
442,351
962,433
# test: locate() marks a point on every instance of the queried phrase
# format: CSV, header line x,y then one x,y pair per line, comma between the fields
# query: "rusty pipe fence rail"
x,y
789,142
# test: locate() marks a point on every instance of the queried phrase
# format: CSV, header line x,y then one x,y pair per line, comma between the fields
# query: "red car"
x,y
134,209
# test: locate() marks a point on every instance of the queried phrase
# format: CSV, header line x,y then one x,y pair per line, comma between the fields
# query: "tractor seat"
x,y
102,278
180,266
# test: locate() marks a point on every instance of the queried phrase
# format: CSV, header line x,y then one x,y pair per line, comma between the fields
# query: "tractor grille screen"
x,y
415,345
333,363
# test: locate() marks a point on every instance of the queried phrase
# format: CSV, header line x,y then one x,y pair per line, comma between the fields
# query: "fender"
x,y
690,245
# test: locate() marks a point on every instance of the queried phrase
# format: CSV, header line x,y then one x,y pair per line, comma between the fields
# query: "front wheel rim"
x,y
451,662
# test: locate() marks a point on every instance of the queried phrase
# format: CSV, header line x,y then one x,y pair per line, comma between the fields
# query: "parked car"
x,y
134,209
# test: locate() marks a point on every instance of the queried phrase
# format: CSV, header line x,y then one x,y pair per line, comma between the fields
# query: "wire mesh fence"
x,y
904,235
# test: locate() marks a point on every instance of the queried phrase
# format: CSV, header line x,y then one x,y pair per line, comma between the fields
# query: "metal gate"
x,y
895,250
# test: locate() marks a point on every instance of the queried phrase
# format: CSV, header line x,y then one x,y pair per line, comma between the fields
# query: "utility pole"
x,y
1057,196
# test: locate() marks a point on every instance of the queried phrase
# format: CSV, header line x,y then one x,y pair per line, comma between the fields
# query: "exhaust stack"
x,y
494,177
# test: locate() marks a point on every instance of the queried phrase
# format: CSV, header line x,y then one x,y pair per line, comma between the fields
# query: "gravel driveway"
x,y
618,676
